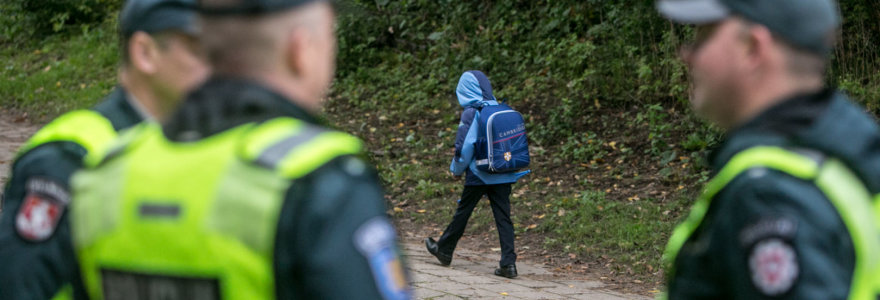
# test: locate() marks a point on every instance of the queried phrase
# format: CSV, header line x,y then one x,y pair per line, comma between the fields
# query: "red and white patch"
x,y
38,217
774,267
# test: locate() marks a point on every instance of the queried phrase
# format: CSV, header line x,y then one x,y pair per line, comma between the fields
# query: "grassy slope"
x,y
59,73
611,211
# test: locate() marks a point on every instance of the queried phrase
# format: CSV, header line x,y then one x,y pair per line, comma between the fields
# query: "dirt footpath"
x,y
469,277
14,130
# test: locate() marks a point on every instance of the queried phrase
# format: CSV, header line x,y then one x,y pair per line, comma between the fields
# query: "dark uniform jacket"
x,y
37,269
768,234
316,256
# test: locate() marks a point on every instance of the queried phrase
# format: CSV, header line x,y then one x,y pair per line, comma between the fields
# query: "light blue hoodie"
x,y
475,91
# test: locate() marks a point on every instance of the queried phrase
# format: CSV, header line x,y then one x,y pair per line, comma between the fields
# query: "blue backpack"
x,y
502,146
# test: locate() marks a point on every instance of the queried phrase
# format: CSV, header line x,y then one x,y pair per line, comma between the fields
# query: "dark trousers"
x,y
499,197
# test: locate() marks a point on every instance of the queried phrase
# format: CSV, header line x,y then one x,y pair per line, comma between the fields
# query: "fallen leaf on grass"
x,y
421,211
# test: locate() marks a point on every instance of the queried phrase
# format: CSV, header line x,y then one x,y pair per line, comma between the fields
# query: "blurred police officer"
x,y
159,63
788,213
242,193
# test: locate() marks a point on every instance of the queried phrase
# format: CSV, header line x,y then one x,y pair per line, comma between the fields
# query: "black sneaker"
x,y
508,271
445,259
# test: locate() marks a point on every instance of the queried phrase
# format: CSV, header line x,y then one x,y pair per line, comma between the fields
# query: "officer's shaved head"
x,y
288,45
246,44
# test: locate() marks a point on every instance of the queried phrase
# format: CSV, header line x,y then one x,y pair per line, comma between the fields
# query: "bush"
x,y
39,18
557,61
554,60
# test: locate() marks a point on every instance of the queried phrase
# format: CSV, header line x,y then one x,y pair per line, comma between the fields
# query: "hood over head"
x,y
474,89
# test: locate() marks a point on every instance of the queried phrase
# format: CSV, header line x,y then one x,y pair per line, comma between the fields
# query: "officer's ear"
x,y
297,50
143,52
759,45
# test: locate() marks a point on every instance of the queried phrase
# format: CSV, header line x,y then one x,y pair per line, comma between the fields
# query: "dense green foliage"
x,y
857,58
555,60
40,18
565,56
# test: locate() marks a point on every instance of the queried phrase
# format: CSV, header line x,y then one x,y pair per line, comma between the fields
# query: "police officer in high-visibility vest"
x,y
242,193
788,212
159,63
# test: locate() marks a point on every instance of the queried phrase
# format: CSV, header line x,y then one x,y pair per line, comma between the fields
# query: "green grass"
x,y
633,233
60,73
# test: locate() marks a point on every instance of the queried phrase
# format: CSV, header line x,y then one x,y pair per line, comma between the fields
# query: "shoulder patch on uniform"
x,y
774,267
375,239
41,209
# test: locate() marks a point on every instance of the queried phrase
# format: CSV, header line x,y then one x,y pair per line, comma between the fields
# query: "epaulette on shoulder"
x,y
86,128
294,148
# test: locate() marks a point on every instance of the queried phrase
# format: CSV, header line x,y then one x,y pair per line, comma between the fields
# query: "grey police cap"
x,y
153,16
809,24
248,7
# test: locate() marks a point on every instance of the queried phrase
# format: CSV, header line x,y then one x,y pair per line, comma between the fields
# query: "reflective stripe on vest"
x,y
65,293
843,188
86,128
200,216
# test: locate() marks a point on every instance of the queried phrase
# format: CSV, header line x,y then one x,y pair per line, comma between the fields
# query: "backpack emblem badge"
x,y
507,156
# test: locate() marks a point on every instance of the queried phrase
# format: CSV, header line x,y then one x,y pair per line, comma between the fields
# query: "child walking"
x,y
474,92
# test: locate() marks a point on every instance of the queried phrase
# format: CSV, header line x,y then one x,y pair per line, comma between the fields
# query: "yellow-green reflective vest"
x,y
87,128
193,219
842,187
